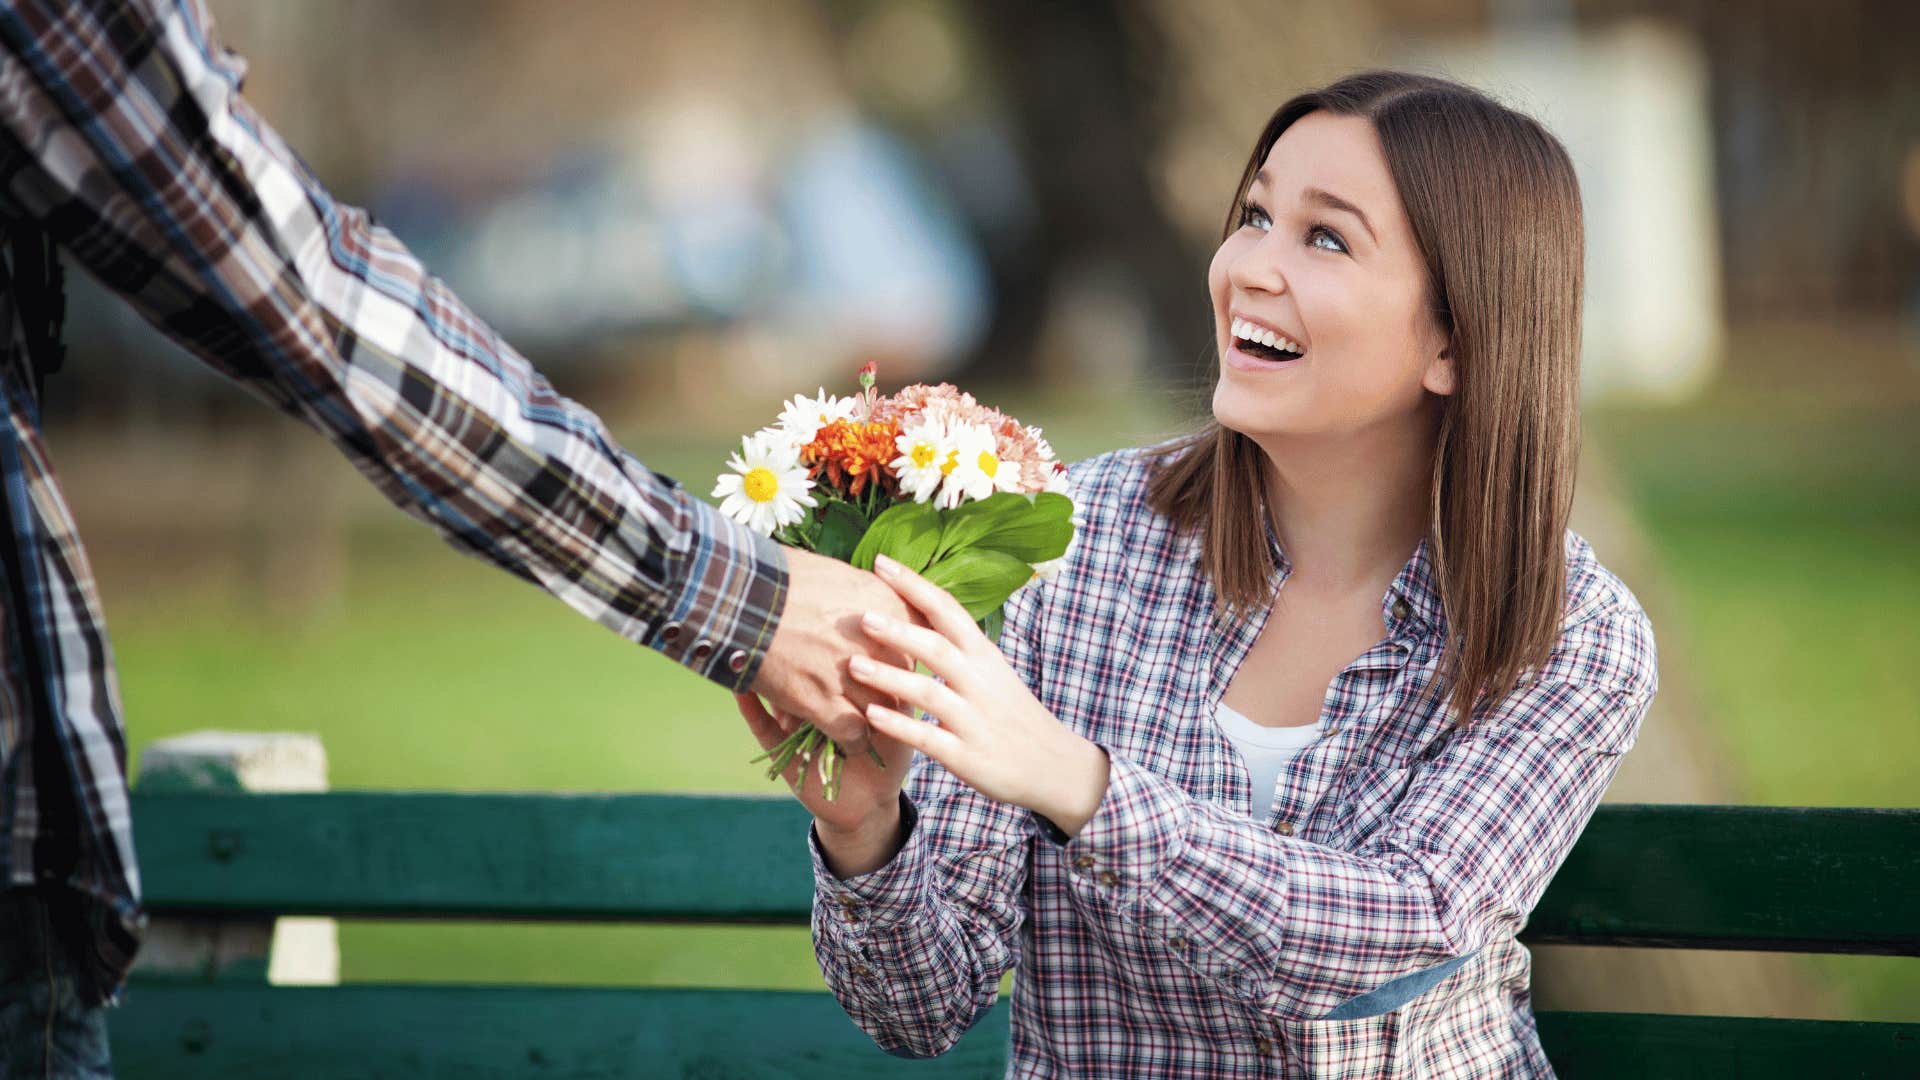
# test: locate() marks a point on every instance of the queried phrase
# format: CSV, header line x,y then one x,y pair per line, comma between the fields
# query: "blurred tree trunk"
x,y
1078,82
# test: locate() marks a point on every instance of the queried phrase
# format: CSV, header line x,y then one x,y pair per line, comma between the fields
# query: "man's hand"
x,y
804,675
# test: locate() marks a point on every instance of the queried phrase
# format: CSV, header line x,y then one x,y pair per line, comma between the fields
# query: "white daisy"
x,y
1047,571
803,417
927,455
975,471
767,489
1040,442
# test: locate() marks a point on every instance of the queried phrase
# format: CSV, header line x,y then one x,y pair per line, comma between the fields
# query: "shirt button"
x,y
670,633
1108,878
1400,608
1084,862
1284,828
862,971
737,663
701,651
1331,728
852,914
1177,943
1264,1044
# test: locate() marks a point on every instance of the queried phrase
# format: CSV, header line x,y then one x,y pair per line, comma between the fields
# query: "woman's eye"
x,y
1254,216
1332,241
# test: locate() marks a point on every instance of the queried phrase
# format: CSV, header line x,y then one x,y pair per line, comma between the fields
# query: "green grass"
x,y
1806,641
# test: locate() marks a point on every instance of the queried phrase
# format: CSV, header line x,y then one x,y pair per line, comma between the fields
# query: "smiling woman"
x,y
1455,304
1367,550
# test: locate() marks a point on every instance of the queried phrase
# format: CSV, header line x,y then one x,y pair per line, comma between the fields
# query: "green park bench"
x,y
1716,877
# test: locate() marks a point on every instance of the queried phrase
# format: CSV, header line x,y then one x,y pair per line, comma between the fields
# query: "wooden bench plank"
x,y
665,858
190,1031
1685,876
168,1031
1606,1046
1741,877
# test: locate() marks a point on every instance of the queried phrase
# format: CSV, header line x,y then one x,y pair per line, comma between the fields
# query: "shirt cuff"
x,y
734,586
1138,831
875,901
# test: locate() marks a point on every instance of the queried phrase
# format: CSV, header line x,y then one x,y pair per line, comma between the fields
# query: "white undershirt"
x,y
1266,750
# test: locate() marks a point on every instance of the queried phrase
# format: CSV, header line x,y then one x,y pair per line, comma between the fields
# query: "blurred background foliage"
x,y
682,211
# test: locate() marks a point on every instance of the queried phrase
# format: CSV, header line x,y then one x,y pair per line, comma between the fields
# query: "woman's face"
x,y
1324,256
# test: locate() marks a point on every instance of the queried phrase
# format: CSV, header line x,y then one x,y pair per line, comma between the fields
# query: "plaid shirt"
x,y
1357,921
124,136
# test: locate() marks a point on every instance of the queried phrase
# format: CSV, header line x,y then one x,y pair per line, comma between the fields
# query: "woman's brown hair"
x,y
1495,209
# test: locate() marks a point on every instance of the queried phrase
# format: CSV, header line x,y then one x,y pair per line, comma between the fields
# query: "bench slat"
x,y
1606,1046
1786,879
665,858
370,1032
1685,876
367,1032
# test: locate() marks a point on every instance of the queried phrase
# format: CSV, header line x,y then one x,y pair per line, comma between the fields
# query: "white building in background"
x,y
1631,104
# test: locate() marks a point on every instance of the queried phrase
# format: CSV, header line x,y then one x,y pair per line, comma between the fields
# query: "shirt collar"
x,y
1414,596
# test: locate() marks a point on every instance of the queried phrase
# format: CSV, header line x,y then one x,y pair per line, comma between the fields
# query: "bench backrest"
x,y
1809,880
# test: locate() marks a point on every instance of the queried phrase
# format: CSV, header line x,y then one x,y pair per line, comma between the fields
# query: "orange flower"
x,y
853,453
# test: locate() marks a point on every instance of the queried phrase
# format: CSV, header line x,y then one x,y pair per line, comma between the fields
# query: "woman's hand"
x,y
859,829
993,733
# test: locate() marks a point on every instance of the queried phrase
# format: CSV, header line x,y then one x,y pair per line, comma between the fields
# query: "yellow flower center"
x,y
761,485
922,455
988,463
952,463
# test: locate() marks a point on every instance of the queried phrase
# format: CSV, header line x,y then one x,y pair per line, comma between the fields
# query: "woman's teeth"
x,y
1244,331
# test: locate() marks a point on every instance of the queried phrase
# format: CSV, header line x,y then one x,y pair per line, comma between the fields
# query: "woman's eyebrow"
x,y
1321,197
1334,202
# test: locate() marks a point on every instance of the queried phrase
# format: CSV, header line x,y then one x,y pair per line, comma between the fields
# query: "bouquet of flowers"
x,y
967,496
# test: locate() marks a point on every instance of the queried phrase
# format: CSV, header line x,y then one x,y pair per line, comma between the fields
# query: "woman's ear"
x,y
1439,376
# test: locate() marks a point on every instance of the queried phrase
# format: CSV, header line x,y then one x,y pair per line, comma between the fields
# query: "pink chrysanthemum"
x,y
1016,444
1023,448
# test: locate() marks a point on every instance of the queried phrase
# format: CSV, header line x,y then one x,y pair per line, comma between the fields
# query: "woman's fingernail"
x,y
873,620
861,665
884,566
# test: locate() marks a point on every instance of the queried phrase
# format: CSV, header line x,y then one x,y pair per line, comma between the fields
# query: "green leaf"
x,y
1032,528
980,578
961,526
992,624
842,527
908,533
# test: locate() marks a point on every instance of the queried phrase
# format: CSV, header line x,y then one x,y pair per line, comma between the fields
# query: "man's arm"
x,y
123,132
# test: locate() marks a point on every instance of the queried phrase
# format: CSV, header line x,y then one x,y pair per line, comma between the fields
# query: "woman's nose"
x,y
1257,268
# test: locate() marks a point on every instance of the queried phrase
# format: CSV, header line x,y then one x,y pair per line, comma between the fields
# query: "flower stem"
x,y
803,743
